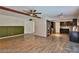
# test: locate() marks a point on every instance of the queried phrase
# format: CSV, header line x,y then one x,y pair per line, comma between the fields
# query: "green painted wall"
x,y
11,30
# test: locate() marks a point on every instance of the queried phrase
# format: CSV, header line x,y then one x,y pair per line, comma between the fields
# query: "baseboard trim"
x,y
11,36
20,35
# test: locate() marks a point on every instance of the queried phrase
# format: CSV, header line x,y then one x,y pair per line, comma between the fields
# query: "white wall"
x,y
78,22
11,21
29,27
36,27
57,27
40,27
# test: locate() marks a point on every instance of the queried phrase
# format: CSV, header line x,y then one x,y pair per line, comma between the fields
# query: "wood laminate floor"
x,y
36,44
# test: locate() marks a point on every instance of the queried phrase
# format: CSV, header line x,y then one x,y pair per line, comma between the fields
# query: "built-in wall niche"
x,y
67,23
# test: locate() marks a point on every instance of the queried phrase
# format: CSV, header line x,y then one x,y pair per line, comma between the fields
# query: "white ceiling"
x,y
48,11
12,14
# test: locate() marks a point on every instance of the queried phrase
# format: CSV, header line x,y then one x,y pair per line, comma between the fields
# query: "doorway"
x,y
50,28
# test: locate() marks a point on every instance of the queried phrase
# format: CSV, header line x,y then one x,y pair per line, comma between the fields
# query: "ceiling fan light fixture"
x,y
31,14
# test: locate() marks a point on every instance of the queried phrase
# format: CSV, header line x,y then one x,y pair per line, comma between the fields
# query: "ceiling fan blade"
x,y
37,13
31,11
34,10
25,11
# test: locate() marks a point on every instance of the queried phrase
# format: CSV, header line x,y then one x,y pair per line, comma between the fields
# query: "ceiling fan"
x,y
33,13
